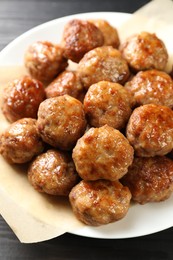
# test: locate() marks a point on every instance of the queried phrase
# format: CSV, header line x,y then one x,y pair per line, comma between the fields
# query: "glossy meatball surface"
x,y
103,63
145,51
44,60
21,98
61,121
150,179
68,82
102,153
107,103
79,37
53,172
20,142
100,202
151,86
150,130
110,34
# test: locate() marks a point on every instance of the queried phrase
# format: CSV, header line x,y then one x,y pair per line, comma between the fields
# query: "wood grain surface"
x,y
152,247
16,17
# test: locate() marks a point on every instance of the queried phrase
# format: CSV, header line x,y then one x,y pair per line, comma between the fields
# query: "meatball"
x,y
107,103
150,130
100,202
22,98
145,51
151,86
79,37
44,60
110,34
68,82
103,63
150,179
53,172
102,153
61,121
20,142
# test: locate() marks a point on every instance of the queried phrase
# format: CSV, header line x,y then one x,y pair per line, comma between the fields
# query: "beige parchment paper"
x,y
155,17
34,216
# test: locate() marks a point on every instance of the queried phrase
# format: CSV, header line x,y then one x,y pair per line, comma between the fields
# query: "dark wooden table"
x,y
17,16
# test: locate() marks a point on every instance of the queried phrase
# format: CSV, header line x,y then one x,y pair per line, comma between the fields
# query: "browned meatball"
x,y
150,130
20,142
100,202
107,103
61,121
151,86
103,63
102,153
110,34
53,172
44,60
80,37
21,98
145,51
150,179
68,82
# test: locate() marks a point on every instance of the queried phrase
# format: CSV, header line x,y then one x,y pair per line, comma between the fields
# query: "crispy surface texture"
x,y
103,63
79,37
100,202
150,179
44,60
150,130
53,172
61,121
102,153
67,82
107,103
20,142
110,33
145,51
151,87
22,98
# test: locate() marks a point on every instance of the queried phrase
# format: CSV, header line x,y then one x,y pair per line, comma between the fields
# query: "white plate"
x,y
140,220
51,31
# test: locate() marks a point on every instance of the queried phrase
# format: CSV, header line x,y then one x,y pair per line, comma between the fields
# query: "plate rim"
x,y
48,23
17,40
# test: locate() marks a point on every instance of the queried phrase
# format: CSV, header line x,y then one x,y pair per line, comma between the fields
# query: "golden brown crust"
x,y
107,103
145,51
150,130
103,63
53,172
110,33
102,153
150,179
44,60
22,98
151,86
100,202
68,82
61,121
20,142
79,37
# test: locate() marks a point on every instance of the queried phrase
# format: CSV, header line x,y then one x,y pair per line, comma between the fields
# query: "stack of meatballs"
x,y
101,134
